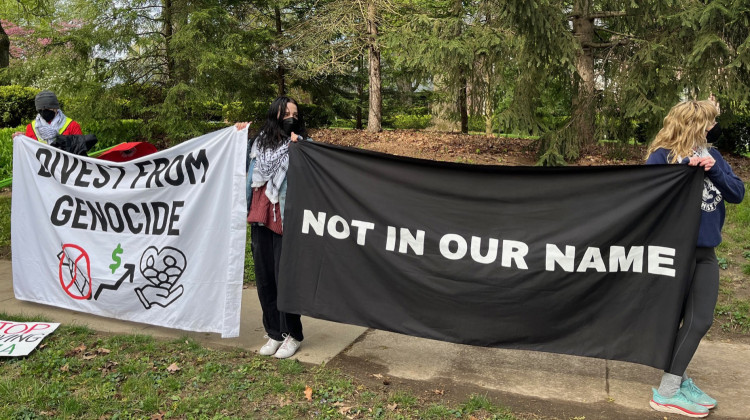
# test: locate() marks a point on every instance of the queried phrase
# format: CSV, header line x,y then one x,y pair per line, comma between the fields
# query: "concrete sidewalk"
x,y
623,389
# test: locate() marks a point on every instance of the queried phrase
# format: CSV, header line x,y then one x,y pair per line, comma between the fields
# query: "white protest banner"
x,y
20,338
158,240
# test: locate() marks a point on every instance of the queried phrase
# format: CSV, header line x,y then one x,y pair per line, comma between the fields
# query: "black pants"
x,y
699,310
266,247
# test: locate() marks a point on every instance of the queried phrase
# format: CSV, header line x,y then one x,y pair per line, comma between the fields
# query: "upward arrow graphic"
x,y
129,272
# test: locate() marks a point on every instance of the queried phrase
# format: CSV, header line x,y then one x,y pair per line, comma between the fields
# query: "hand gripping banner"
x,y
159,239
590,261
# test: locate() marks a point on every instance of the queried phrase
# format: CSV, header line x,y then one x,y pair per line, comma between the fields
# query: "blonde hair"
x,y
685,128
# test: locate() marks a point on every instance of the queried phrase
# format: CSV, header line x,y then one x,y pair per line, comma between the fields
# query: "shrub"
x,y
735,135
110,133
6,150
316,116
412,122
476,123
240,111
343,123
17,105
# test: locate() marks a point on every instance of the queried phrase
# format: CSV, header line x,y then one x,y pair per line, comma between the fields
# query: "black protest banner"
x,y
590,261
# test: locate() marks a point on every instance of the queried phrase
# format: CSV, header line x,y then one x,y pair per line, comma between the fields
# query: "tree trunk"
x,y
376,99
583,81
4,48
462,103
280,71
463,111
360,101
167,22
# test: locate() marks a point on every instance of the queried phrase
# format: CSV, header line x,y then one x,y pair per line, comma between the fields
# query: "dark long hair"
x,y
272,134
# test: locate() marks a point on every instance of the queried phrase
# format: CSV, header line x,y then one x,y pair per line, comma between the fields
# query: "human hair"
x,y
685,128
272,134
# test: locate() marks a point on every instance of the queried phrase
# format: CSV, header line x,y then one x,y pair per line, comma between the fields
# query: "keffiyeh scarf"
x,y
47,131
270,168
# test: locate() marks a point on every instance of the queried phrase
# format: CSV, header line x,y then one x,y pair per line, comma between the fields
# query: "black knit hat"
x,y
46,100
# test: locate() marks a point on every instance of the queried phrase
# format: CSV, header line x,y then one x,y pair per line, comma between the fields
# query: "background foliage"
x,y
573,72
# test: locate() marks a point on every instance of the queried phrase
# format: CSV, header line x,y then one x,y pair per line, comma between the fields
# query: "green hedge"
x,y
396,122
16,105
412,122
6,150
343,123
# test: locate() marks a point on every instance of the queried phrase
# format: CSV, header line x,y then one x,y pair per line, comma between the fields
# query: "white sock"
x,y
669,386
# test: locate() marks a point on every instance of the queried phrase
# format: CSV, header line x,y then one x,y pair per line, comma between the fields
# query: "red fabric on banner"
x,y
262,211
128,151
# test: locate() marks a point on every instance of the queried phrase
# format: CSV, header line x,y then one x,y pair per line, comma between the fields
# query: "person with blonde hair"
x,y
682,140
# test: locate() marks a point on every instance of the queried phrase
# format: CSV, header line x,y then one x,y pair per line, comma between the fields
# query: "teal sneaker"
x,y
679,404
694,394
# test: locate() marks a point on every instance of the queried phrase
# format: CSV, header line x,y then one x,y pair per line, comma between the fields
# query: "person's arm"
x,y
30,132
658,157
722,176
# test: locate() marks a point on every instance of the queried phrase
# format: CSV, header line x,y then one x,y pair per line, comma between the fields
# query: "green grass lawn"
x,y
733,307
79,374
5,226
249,276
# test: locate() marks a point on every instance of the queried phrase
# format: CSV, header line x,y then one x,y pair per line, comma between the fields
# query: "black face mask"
x,y
290,125
713,134
47,115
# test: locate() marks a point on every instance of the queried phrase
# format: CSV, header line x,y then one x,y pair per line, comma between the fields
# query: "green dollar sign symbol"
x,y
116,259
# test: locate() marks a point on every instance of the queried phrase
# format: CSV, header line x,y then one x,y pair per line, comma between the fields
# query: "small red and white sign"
x,y
20,338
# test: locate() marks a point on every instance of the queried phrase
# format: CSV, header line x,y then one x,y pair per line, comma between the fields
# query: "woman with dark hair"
x,y
267,165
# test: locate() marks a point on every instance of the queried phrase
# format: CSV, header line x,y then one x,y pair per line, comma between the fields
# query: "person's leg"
x,y
672,396
290,323
699,310
262,243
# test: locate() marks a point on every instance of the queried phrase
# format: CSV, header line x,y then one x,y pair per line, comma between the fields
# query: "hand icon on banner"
x,y
162,268
154,295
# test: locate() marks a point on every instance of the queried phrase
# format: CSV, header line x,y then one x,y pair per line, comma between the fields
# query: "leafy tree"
x,y
335,38
172,63
18,8
458,46
626,62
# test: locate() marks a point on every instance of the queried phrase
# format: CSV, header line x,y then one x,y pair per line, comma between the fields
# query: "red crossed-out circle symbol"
x,y
71,257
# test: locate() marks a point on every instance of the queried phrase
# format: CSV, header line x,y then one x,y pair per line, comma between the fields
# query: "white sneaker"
x,y
288,347
270,347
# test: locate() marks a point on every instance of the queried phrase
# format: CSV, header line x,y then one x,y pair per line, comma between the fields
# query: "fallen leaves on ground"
x,y
308,393
173,368
79,349
343,409
108,367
